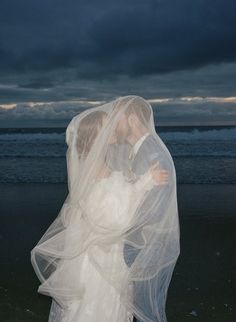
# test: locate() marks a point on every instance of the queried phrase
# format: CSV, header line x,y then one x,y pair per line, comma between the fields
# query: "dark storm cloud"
x,y
37,83
103,39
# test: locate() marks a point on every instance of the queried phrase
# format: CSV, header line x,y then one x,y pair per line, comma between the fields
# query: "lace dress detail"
x,y
109,200
57,314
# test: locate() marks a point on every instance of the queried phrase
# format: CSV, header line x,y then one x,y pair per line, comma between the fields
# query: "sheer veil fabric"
x,y
144,224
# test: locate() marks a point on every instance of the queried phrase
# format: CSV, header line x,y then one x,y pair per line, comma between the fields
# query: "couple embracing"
x,y
110,253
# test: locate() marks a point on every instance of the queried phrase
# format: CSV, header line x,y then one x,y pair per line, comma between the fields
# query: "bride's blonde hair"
x,y
88,131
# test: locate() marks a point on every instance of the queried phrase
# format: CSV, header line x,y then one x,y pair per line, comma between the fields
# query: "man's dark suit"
x,y
148,153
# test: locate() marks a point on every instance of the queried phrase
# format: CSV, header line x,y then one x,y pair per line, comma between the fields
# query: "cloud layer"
x,y
57,51
182,111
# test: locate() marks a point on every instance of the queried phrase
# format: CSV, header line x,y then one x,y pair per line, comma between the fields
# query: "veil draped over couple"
x,y
110,253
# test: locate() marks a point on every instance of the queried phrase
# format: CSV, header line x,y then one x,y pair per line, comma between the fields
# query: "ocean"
x,y
202,154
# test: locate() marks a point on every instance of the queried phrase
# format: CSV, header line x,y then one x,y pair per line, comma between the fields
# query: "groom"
x,y
131,129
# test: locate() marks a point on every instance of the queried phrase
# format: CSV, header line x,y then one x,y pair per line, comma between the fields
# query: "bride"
x,y
81,260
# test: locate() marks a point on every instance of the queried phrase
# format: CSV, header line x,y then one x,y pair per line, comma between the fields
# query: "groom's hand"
x,y
160,176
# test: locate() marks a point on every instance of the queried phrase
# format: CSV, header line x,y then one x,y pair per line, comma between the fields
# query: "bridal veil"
x,y
95,137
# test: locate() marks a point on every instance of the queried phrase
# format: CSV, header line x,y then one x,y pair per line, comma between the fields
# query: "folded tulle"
x,y
66,260
65,284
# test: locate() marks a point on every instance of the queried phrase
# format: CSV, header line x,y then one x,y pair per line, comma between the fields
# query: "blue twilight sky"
x,y
58,57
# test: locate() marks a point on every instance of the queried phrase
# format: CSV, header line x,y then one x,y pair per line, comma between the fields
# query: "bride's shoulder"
x,y
116,177
113,175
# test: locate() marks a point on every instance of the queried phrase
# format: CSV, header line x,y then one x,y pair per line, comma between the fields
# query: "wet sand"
x,y
201,288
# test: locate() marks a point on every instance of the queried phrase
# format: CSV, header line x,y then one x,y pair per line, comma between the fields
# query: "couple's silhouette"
x,y
110,253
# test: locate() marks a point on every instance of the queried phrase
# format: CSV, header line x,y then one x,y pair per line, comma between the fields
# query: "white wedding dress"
x,y
112,201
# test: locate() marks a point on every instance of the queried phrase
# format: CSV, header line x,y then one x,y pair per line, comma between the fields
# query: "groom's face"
x,y
123,129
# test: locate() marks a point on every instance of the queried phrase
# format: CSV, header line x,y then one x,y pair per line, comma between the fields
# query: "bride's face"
x,y
123,129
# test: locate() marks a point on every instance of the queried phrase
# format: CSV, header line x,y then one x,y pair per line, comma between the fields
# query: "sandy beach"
x,y
201,288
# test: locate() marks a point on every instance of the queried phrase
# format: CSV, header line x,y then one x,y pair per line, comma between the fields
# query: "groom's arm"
x,y
159,193
158,196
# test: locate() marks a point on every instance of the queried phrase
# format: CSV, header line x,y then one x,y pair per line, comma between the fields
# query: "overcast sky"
x,y
58,57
